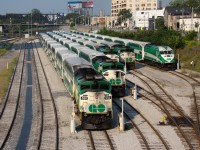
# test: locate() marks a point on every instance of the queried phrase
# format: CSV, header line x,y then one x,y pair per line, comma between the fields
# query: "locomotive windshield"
x,y
95,86
113,66
103,47
85,87
125,49
166,52
104,86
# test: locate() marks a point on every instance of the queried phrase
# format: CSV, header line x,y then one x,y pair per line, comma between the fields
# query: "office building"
x,y
133,5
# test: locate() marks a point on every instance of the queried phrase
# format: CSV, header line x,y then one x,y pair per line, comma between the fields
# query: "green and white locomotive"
x,y
91,91
161,56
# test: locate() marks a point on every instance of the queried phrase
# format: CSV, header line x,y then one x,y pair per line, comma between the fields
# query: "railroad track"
x,y
10,106
195,109
10,39
145,130
100,140
49,128
189,133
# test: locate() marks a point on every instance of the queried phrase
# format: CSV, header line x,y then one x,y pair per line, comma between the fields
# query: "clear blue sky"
x,y
47,6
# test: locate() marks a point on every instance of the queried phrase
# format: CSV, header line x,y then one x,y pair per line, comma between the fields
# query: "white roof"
x,y
77,62
162,48
66,35
80,47
92,34
88,38
139,42
80,36
55,45
51,41
92,54
73,44
67,41
60,47
110,44
66,53
83,41
70,55
48,39
73,37
99,35
105,36
126,41
57,49
97,40
61,38
94,44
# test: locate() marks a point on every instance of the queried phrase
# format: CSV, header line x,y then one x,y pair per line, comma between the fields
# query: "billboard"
x,y
88,4
75,5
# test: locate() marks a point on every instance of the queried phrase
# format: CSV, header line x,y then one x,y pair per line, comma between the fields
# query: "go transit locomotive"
x,y
161,56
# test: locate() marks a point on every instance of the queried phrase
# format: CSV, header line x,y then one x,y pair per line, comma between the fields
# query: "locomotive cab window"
x,y
161,52
85,87
104,86
106,67
120,67
170,52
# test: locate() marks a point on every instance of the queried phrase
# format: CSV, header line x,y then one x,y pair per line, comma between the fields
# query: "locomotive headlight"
x,y
107,96
81,108
84,97
106,74
131,54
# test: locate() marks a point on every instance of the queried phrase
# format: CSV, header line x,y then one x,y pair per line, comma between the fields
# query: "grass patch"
x,y
2,51
190,53
5,76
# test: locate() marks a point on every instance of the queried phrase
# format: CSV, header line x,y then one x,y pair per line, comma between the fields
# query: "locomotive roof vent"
x,y
109,60
89,76
98,77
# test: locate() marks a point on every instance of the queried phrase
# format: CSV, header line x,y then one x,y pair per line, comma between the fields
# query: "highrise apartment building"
x,y
133,5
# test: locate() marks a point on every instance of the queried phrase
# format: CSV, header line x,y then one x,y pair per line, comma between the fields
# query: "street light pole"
x,y
28,25
31,24
77,18
192,19
10,24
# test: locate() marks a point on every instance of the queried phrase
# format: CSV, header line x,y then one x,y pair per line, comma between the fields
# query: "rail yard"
x,y
69,89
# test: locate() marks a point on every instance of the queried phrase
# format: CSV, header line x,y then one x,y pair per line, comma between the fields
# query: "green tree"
x,y
179,3
123,15
196,25
71,16
160,23
189,3
37,16
72,24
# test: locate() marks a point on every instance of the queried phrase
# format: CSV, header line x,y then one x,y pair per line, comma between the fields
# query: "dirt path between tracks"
x,y
4,60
